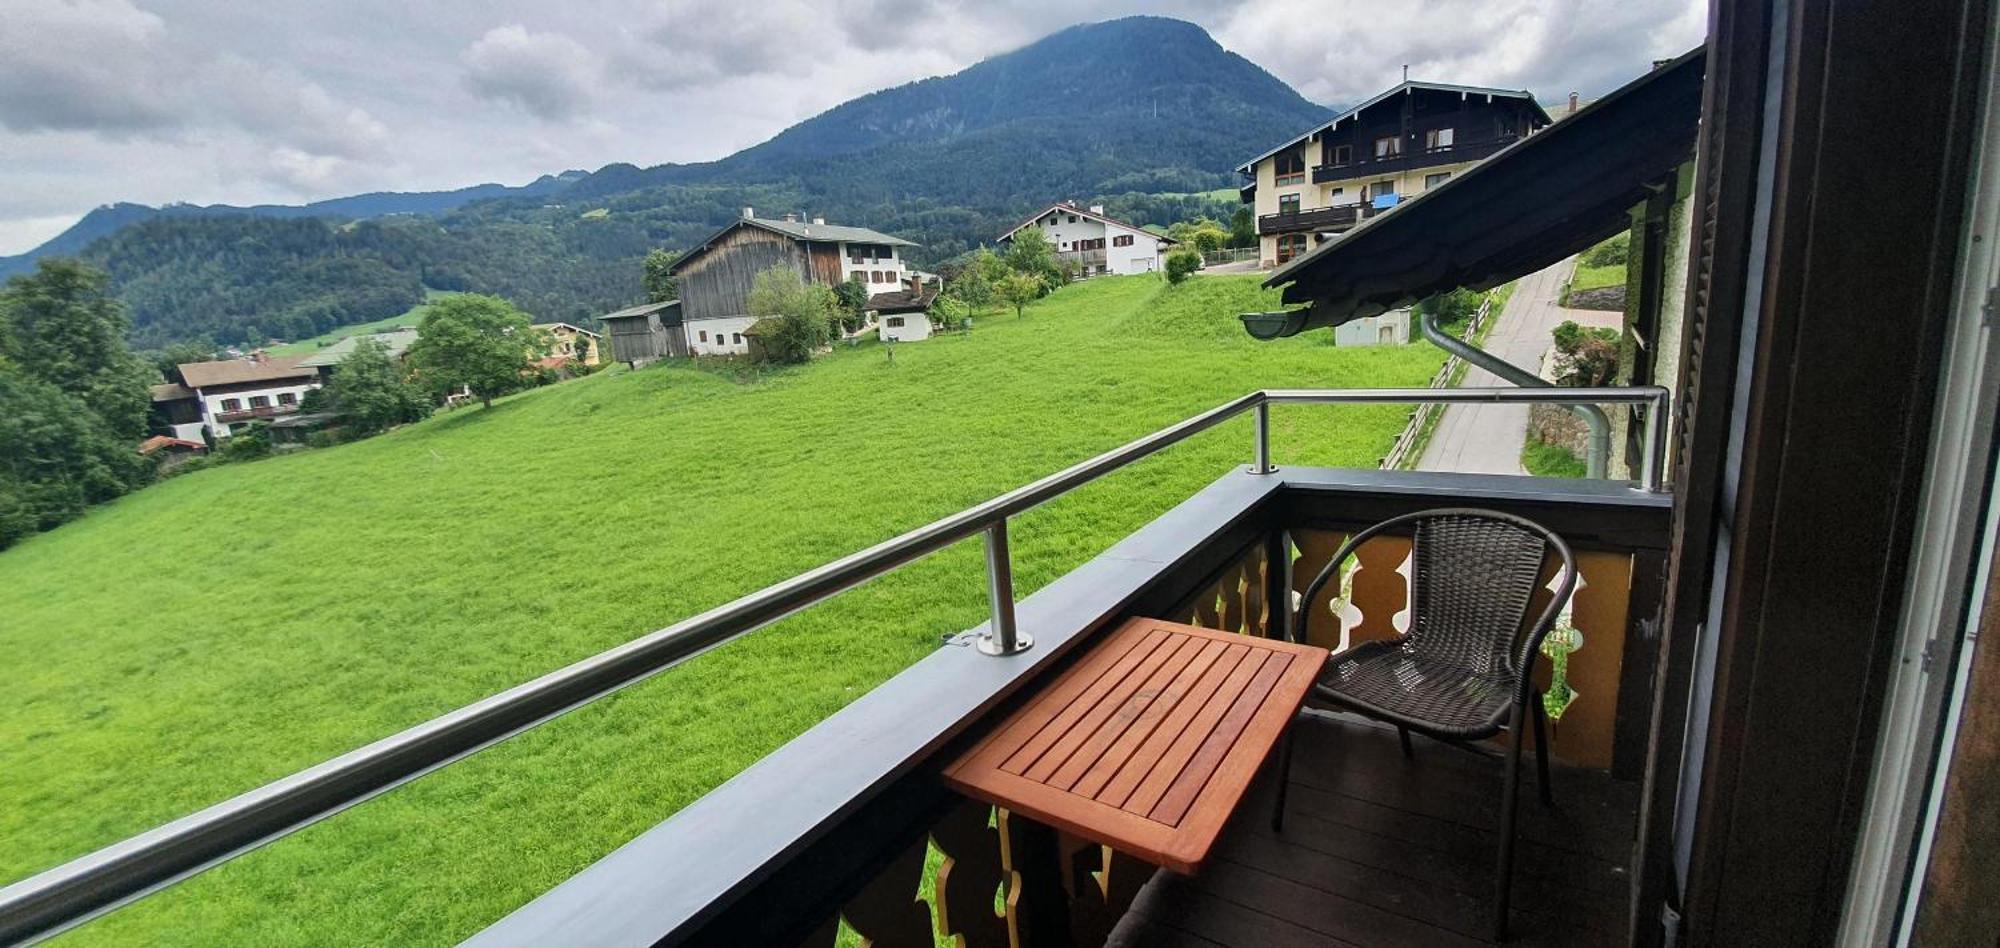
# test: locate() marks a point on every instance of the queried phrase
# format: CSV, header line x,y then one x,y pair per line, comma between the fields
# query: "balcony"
x,y
1411,160
836,826
261,411
1339,217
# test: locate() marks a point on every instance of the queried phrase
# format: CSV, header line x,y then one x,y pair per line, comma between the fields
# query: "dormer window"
x,y
1290,168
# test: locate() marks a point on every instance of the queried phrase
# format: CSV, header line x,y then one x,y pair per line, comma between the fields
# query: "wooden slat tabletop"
x,y
1148,742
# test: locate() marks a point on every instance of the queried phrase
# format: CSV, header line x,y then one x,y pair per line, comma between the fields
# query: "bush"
x,y
1181,263
1586,357
949,313
793,319
1611,253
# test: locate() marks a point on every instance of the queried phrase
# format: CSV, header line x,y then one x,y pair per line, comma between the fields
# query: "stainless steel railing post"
x,y
1651,473
1263,462
1001,637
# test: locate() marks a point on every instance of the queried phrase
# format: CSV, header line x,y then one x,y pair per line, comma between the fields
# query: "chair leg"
x,y
1403,734
1284,779
1504,872
1542,752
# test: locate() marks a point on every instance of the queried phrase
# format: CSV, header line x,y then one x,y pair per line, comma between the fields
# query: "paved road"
x,y
1487,439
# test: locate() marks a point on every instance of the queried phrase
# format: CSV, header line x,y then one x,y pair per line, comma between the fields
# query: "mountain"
x,y
110,218
1145,115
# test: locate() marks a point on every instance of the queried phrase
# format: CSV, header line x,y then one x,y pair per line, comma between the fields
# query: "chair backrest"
x,y
1473,577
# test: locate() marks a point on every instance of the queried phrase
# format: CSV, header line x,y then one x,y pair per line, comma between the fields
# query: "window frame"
x,y
1388,146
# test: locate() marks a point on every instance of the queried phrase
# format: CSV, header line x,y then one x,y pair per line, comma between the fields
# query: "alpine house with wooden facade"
x,y
1368,158
1093,244
1748,696
715,277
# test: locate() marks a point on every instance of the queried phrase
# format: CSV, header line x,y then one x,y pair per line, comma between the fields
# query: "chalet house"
x,y
221,396
715,277
1095,244
572,342
1369,158
903,315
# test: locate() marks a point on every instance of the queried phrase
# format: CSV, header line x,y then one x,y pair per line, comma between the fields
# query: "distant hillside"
x,y
109,219
1146,115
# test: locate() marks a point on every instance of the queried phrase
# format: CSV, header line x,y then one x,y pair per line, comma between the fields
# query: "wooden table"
x,y
1147,743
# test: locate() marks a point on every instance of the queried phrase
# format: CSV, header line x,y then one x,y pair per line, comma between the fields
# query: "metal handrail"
x,y
76,891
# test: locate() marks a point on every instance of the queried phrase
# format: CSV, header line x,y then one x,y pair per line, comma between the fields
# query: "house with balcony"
x,y
1780,651
220,397
1365,160
716,276
571,343
1093,244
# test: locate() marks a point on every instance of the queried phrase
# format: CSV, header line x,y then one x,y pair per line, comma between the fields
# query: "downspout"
x,y
1600,426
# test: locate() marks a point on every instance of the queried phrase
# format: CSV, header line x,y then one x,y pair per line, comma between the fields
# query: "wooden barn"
x,y
715,277
643,334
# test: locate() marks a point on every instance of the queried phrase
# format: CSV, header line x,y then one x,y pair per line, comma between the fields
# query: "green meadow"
x,y
221,629
409,317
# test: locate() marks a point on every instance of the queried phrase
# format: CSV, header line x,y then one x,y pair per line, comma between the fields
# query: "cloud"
x,y
1550,47
550,75
74,64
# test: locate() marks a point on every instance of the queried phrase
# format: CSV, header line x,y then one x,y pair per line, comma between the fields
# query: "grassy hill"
x,y
219,630
409,317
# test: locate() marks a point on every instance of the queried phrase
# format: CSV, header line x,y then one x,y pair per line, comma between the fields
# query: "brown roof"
x,y
171,392
237,371
903,301
157,442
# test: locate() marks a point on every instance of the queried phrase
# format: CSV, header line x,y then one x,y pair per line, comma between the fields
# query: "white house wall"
x,y
1142,257
719,336
891,268
1388,329
915,327
211,405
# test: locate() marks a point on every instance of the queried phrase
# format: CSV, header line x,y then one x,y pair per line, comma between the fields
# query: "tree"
x,y
370,392
1030,252
853,298
483,343
59,325
1020,289
1202,233
1182,263
1243,228
169,360
60,457
975,282
660,283
794,319
949,313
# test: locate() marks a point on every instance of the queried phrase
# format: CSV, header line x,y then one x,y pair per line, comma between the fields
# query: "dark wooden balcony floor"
x,y
1378,850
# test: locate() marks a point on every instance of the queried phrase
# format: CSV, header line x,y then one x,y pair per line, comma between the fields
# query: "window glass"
x,y
704,335
1288,204
738,338
895,322
1437,138
260,401
1388,146
232,404
1433,180
1343,154
287,398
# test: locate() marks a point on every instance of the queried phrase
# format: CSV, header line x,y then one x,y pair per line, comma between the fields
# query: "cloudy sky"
x,y
286,101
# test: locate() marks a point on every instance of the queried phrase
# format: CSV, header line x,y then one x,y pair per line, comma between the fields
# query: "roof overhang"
x,y
1548,196
1250,167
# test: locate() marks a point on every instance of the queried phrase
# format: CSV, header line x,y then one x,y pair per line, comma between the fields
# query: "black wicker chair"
x,y
1461,673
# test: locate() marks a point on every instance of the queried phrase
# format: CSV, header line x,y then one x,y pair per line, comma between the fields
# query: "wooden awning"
x,y
1553,194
